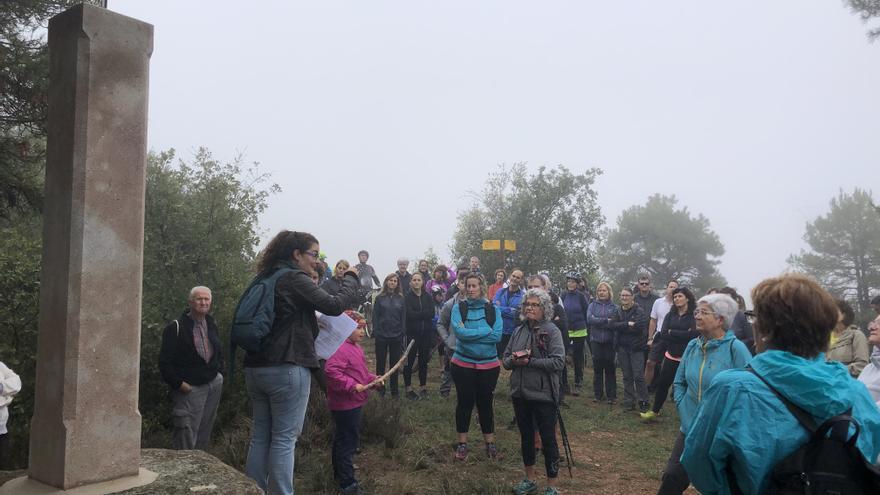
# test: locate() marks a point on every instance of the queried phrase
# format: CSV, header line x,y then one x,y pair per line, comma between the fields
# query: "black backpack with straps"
x,y
488,310
829,463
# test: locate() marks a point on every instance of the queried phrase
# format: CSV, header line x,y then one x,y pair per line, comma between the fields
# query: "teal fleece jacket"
x,y
475,339
741,421
701,361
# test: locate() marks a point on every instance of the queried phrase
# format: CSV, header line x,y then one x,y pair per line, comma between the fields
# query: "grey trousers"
x,y
193,414
446,375
632,363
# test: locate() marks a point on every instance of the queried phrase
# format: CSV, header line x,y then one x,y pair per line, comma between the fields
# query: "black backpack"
x,y
488,309
827,464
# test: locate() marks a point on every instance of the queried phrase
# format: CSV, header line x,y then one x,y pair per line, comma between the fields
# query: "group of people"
x,y
733,428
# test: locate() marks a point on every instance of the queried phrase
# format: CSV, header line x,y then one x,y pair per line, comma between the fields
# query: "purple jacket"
x,y
346,368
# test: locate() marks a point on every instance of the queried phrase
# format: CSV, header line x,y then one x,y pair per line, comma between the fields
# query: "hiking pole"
x,y
566,447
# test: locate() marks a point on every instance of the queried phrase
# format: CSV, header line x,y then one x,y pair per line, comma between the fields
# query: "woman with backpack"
x,y
715,350
389,320
744,433
576,303
278,376
535,355
474,365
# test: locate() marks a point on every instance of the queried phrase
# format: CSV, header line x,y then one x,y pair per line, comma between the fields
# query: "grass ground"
x,y
407,447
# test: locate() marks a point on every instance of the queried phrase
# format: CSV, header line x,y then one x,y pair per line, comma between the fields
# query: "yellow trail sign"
x,y
491,245
509,245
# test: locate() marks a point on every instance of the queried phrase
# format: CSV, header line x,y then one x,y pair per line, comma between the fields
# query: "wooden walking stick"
x,y
394,368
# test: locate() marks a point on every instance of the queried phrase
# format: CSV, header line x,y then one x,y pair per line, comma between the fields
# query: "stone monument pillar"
x,y
86,426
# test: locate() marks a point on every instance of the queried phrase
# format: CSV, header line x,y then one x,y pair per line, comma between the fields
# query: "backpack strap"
x,y
463,310
489,311
177,324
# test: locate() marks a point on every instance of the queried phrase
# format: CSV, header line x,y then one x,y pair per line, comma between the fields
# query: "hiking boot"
x,y
461,452
412,395
550,491
649,416
525,487
423,394
611,402
492,451
643,406
353,489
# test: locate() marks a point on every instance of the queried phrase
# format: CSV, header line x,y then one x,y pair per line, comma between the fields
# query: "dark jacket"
x,y
560,320
630,338
332,286
538,380
419,314
742,329
292,338
576,304
646,302
678,330
598,315
178,360
404,280
389,316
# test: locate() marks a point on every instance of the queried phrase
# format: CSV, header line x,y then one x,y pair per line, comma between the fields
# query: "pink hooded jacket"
x,y
346,368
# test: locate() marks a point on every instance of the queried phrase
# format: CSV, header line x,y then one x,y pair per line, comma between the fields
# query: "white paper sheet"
x,y
333,332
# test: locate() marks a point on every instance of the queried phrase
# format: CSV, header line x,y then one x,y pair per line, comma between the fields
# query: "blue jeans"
x,y
279,396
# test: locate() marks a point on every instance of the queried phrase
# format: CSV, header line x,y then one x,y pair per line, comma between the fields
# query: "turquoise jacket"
x,y
475,339
700,363
740,420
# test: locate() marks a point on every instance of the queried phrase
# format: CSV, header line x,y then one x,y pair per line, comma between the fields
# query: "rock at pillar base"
x,y
86,426
179,471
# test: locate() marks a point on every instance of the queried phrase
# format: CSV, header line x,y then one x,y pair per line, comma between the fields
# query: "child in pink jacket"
x,y
347,387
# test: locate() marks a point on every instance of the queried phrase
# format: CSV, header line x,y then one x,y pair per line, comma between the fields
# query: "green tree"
x,y
200,229
24,84
665,242
553,216
867,10
844,248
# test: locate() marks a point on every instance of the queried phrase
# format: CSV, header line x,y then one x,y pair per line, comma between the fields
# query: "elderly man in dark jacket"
x,y
190,362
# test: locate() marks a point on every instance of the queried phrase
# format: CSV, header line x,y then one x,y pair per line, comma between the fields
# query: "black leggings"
x,y
577,356
663,382
604,376
473,386
421,349
528,414
390,348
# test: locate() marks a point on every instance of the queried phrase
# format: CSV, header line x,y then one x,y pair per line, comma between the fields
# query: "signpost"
x,y
502,245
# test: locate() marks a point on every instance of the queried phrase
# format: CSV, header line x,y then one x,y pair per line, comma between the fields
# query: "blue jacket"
x,y
475,339
575,303
700,363
598,314
509,305
741,420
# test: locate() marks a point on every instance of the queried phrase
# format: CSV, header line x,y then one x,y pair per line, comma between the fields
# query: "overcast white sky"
x,y
376,117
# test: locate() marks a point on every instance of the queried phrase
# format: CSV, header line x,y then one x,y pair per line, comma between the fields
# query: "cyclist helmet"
x,y
573,275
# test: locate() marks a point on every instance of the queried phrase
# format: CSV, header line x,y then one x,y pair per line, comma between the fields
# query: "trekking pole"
x,y
566,447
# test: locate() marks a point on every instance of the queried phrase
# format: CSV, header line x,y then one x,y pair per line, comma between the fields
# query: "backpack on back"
x,y
829,463
488,309
254,314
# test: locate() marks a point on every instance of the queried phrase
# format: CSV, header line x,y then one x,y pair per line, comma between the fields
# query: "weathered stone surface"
x,y
191,471
180,472
86,427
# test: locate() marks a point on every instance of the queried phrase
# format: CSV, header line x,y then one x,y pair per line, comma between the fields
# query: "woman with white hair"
x,y
536,355
715,350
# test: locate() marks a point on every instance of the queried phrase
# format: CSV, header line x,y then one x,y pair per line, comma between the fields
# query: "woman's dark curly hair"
x,y
692,301
281,248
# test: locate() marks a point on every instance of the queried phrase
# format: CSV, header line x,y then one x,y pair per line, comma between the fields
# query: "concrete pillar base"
x,y
30,486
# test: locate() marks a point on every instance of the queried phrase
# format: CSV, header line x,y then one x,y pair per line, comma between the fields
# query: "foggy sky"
x,y
377,117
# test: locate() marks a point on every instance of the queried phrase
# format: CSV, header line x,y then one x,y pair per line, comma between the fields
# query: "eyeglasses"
x,y
644,283
703,312
750,316
531,305
313,254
